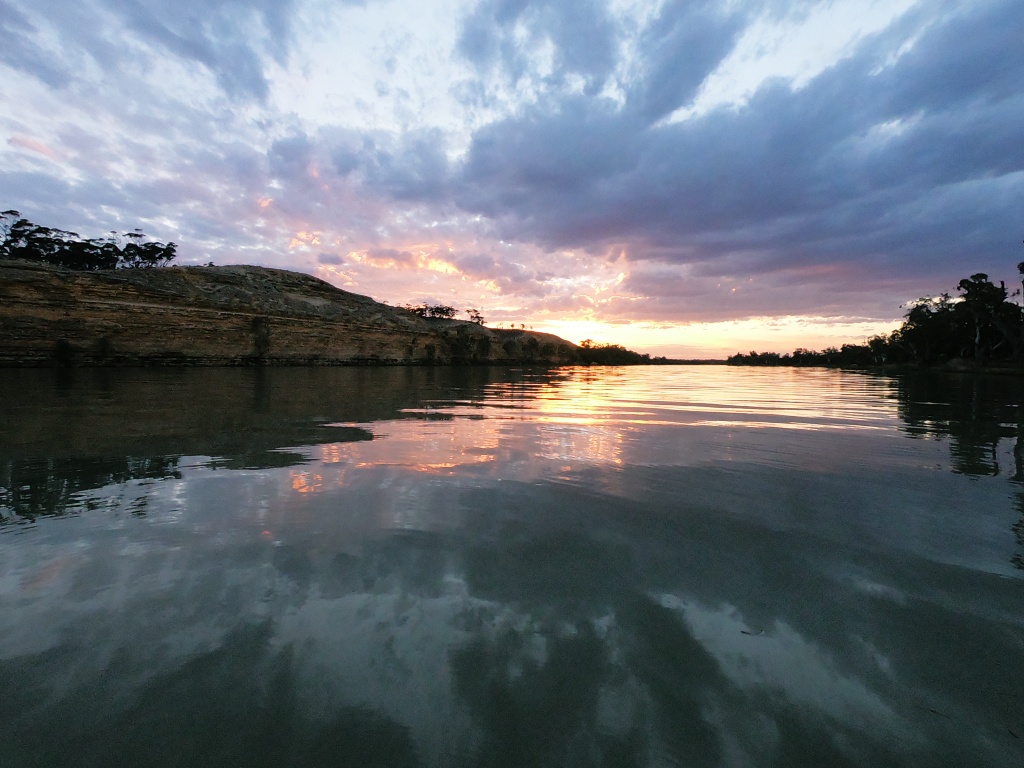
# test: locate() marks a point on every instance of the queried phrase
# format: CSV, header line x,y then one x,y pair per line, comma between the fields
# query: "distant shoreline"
x,y
958,365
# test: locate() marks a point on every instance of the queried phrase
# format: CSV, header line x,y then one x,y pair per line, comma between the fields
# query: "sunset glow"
x,y
790,181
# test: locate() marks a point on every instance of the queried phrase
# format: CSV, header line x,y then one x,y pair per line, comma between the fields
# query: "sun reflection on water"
x,y
768,556
583,423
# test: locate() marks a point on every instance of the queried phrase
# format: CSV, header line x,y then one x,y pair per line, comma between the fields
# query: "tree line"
x,y
980,324
444,312
614,354
31,242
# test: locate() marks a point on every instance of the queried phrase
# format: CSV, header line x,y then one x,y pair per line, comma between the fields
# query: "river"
x,y
651,566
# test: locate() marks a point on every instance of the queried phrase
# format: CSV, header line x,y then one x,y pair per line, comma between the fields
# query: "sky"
x,y
684,177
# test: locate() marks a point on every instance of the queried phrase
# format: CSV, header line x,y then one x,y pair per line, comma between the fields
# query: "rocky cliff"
x,y
237,315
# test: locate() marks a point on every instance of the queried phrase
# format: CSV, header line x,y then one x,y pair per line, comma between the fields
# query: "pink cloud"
x,y
32,145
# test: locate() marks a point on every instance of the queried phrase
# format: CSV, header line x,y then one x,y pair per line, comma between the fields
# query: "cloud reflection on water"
x,y
512,571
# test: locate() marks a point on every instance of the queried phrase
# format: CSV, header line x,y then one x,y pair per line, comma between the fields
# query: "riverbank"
x,y
233,315
957,365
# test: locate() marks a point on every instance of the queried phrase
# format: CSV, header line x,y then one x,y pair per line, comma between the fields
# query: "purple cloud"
x,y
892,172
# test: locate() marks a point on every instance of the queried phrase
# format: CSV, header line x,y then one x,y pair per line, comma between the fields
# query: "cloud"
x,y
865,163
552,40
19,50
682,47
291,156
391,258
232,39
32,145
412,166
605,158
229,38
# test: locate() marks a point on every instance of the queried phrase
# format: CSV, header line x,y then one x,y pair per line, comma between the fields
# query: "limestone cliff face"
x,y
238,315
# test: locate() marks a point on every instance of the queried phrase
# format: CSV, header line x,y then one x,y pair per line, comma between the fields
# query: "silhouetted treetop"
x,y
610,354
442,311
30,242
981,324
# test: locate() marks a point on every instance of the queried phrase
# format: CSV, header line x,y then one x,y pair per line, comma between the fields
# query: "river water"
x,y
656,566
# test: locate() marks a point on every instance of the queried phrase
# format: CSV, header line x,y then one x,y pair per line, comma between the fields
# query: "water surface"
x,y
693,566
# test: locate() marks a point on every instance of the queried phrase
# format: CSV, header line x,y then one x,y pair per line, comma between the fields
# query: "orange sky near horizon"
x,y
572,306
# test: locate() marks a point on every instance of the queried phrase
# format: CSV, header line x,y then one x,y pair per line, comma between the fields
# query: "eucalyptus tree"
x,y
31,242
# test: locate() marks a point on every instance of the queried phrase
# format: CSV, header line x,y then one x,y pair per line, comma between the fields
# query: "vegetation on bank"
x,y
443,312
593,353
981,325
610,354
30,242
589,351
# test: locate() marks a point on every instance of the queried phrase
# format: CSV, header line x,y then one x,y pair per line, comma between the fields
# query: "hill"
x,y
232,315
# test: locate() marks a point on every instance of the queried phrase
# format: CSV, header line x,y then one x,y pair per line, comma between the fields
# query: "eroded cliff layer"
x,y
236,315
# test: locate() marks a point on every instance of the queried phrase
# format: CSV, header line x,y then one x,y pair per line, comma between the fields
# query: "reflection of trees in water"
x,y
975,413
1018,529
67,432
52,487
1018,477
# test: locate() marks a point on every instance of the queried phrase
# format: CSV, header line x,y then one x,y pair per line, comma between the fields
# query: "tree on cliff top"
x,y
24,240
441,311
